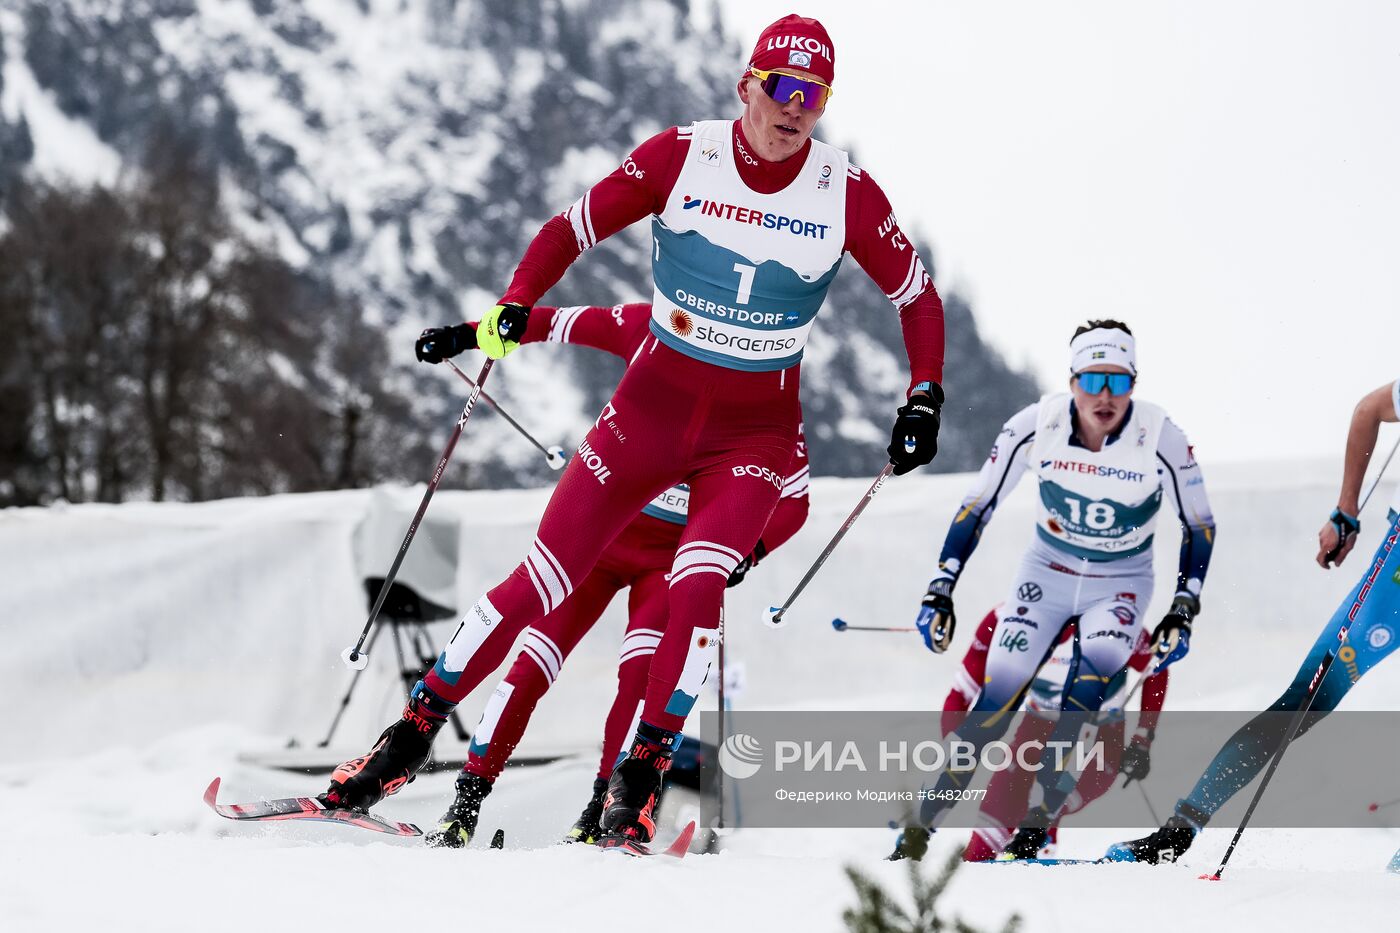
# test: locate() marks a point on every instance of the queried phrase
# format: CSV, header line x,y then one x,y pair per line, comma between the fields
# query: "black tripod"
x,y
406,615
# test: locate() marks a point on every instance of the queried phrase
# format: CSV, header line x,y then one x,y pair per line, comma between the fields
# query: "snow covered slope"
x,y
147,647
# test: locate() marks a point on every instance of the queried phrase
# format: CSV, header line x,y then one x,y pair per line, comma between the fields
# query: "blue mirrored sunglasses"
x,y
1093,383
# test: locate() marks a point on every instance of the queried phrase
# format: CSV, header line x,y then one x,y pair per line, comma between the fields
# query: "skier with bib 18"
x,y
1103,461
750,219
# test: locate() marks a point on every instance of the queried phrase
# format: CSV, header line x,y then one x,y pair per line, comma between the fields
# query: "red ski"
x,y
304,808
677,849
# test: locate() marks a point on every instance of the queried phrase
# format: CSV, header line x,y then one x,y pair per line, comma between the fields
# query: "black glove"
x,y
1172,637
439,343
936,621
1347,527
748,563
1137,759
914,440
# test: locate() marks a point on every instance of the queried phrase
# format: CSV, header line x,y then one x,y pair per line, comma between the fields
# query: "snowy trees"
x,y
151,351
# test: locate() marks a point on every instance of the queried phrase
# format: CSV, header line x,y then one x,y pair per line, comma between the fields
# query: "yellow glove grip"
x,y
489,338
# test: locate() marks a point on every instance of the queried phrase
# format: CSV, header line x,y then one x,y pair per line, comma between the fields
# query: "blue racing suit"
x,y
1373,608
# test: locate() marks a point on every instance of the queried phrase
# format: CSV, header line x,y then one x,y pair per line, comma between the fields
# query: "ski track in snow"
x,y
157,645
147,855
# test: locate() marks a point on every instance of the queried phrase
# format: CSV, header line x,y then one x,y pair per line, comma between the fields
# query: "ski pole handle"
x,y
773,618
354,658
554,455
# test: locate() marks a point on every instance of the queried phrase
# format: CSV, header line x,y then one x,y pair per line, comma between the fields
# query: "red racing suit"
x,y
639,559
723,426
1008,791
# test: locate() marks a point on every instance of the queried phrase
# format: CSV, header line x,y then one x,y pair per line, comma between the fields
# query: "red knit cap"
x,y
796,42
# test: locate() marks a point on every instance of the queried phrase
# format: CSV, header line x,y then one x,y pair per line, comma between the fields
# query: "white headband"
x,y
1103,345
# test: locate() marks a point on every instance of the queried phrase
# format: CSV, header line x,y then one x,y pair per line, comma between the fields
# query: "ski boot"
x,y
457,826
1032,836
587,828
1165,845
396,758
911,844
1026,844
629,806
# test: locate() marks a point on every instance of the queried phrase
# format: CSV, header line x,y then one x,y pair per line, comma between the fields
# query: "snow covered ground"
x,y
148,648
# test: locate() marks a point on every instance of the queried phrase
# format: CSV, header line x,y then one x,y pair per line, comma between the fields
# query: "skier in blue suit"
x,y
1373,606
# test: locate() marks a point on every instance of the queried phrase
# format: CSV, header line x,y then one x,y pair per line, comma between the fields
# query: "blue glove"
x,y
1171,640
936,620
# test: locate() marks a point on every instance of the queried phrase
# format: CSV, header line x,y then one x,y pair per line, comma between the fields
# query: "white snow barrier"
x,y
123,624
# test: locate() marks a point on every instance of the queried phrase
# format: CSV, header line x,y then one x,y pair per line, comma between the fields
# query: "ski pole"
x,y
1381,806
1377,481
353,657
345,700
1150,809
1298,716
1151,669
723,709
841,625
1143,677
1147,674
1332,554
774,616
554,455
1296,722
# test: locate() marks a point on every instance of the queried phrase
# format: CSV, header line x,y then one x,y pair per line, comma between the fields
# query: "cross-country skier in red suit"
x,y
1008,791
639,558
750,219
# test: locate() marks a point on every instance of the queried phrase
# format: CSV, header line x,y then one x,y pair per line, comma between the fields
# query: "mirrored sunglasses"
x,y
1093,383
783,88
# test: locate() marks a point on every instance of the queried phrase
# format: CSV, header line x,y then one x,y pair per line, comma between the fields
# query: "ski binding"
x,y
677,849
304,808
